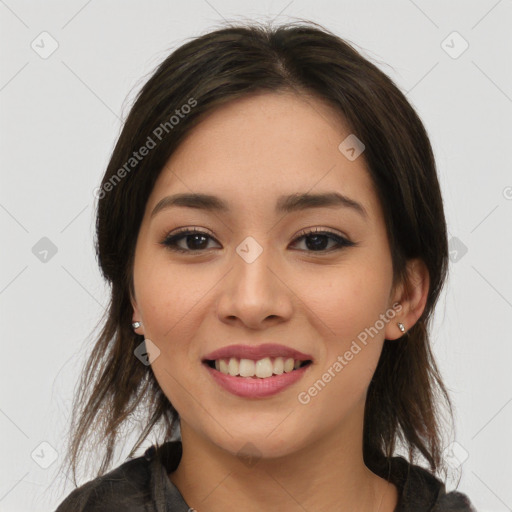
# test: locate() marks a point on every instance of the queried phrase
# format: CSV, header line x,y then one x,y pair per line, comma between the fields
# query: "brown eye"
x,y
194,240
318,240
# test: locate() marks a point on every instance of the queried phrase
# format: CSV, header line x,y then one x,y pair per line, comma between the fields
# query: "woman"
x,y
272,227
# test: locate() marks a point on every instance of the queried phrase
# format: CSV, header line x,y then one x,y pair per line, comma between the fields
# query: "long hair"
x,y
404,399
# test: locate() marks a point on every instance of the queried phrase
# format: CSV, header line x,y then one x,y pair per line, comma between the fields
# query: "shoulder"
x,y
127,488
420,491
453,502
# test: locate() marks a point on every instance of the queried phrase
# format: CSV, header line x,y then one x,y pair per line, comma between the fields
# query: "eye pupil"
x,y
195,237
319,242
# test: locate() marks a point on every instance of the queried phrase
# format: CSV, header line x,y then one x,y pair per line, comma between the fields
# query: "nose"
x,y
254,295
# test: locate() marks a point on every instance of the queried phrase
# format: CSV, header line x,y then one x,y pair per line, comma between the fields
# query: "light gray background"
x,y
61,115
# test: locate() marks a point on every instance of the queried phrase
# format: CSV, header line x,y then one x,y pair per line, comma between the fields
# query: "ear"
x,y
136,317
412,295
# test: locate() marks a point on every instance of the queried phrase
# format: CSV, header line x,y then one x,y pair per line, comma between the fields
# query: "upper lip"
x,y
256,352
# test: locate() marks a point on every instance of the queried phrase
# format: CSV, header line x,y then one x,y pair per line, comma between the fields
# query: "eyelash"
x,y
170,241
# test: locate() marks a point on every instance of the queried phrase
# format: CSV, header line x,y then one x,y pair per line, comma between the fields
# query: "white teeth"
x,y
262,368
224,366
288,365
233,367
247,368
278,365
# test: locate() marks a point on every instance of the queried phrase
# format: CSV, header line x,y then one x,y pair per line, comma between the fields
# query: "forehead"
x,y
264,146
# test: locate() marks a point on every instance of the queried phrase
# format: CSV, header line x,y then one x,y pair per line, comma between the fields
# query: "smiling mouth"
x,y
260,369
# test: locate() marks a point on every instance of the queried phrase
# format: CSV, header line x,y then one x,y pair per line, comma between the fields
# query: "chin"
x,y
256,443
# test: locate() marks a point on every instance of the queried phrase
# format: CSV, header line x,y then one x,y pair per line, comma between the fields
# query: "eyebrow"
x,y
285,204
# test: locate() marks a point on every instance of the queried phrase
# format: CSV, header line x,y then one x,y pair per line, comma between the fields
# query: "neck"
x,y
329,474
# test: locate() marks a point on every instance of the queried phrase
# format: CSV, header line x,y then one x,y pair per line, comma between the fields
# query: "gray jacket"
x,y
142,485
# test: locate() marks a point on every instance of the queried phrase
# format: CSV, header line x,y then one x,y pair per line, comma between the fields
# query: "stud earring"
x,y
136,325
401,326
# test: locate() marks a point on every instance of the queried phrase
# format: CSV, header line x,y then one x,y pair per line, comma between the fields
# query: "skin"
x,y
306,456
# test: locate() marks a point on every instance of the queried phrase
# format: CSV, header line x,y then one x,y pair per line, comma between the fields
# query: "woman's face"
x,y
255,276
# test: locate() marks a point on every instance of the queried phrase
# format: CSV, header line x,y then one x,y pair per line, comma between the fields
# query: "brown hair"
x,y
205,73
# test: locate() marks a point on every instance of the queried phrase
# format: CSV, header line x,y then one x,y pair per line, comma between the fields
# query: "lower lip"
x,y
257,388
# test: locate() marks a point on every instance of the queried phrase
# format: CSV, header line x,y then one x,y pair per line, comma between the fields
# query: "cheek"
x,y
167,296
172,301
346,307
349,309
344,301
